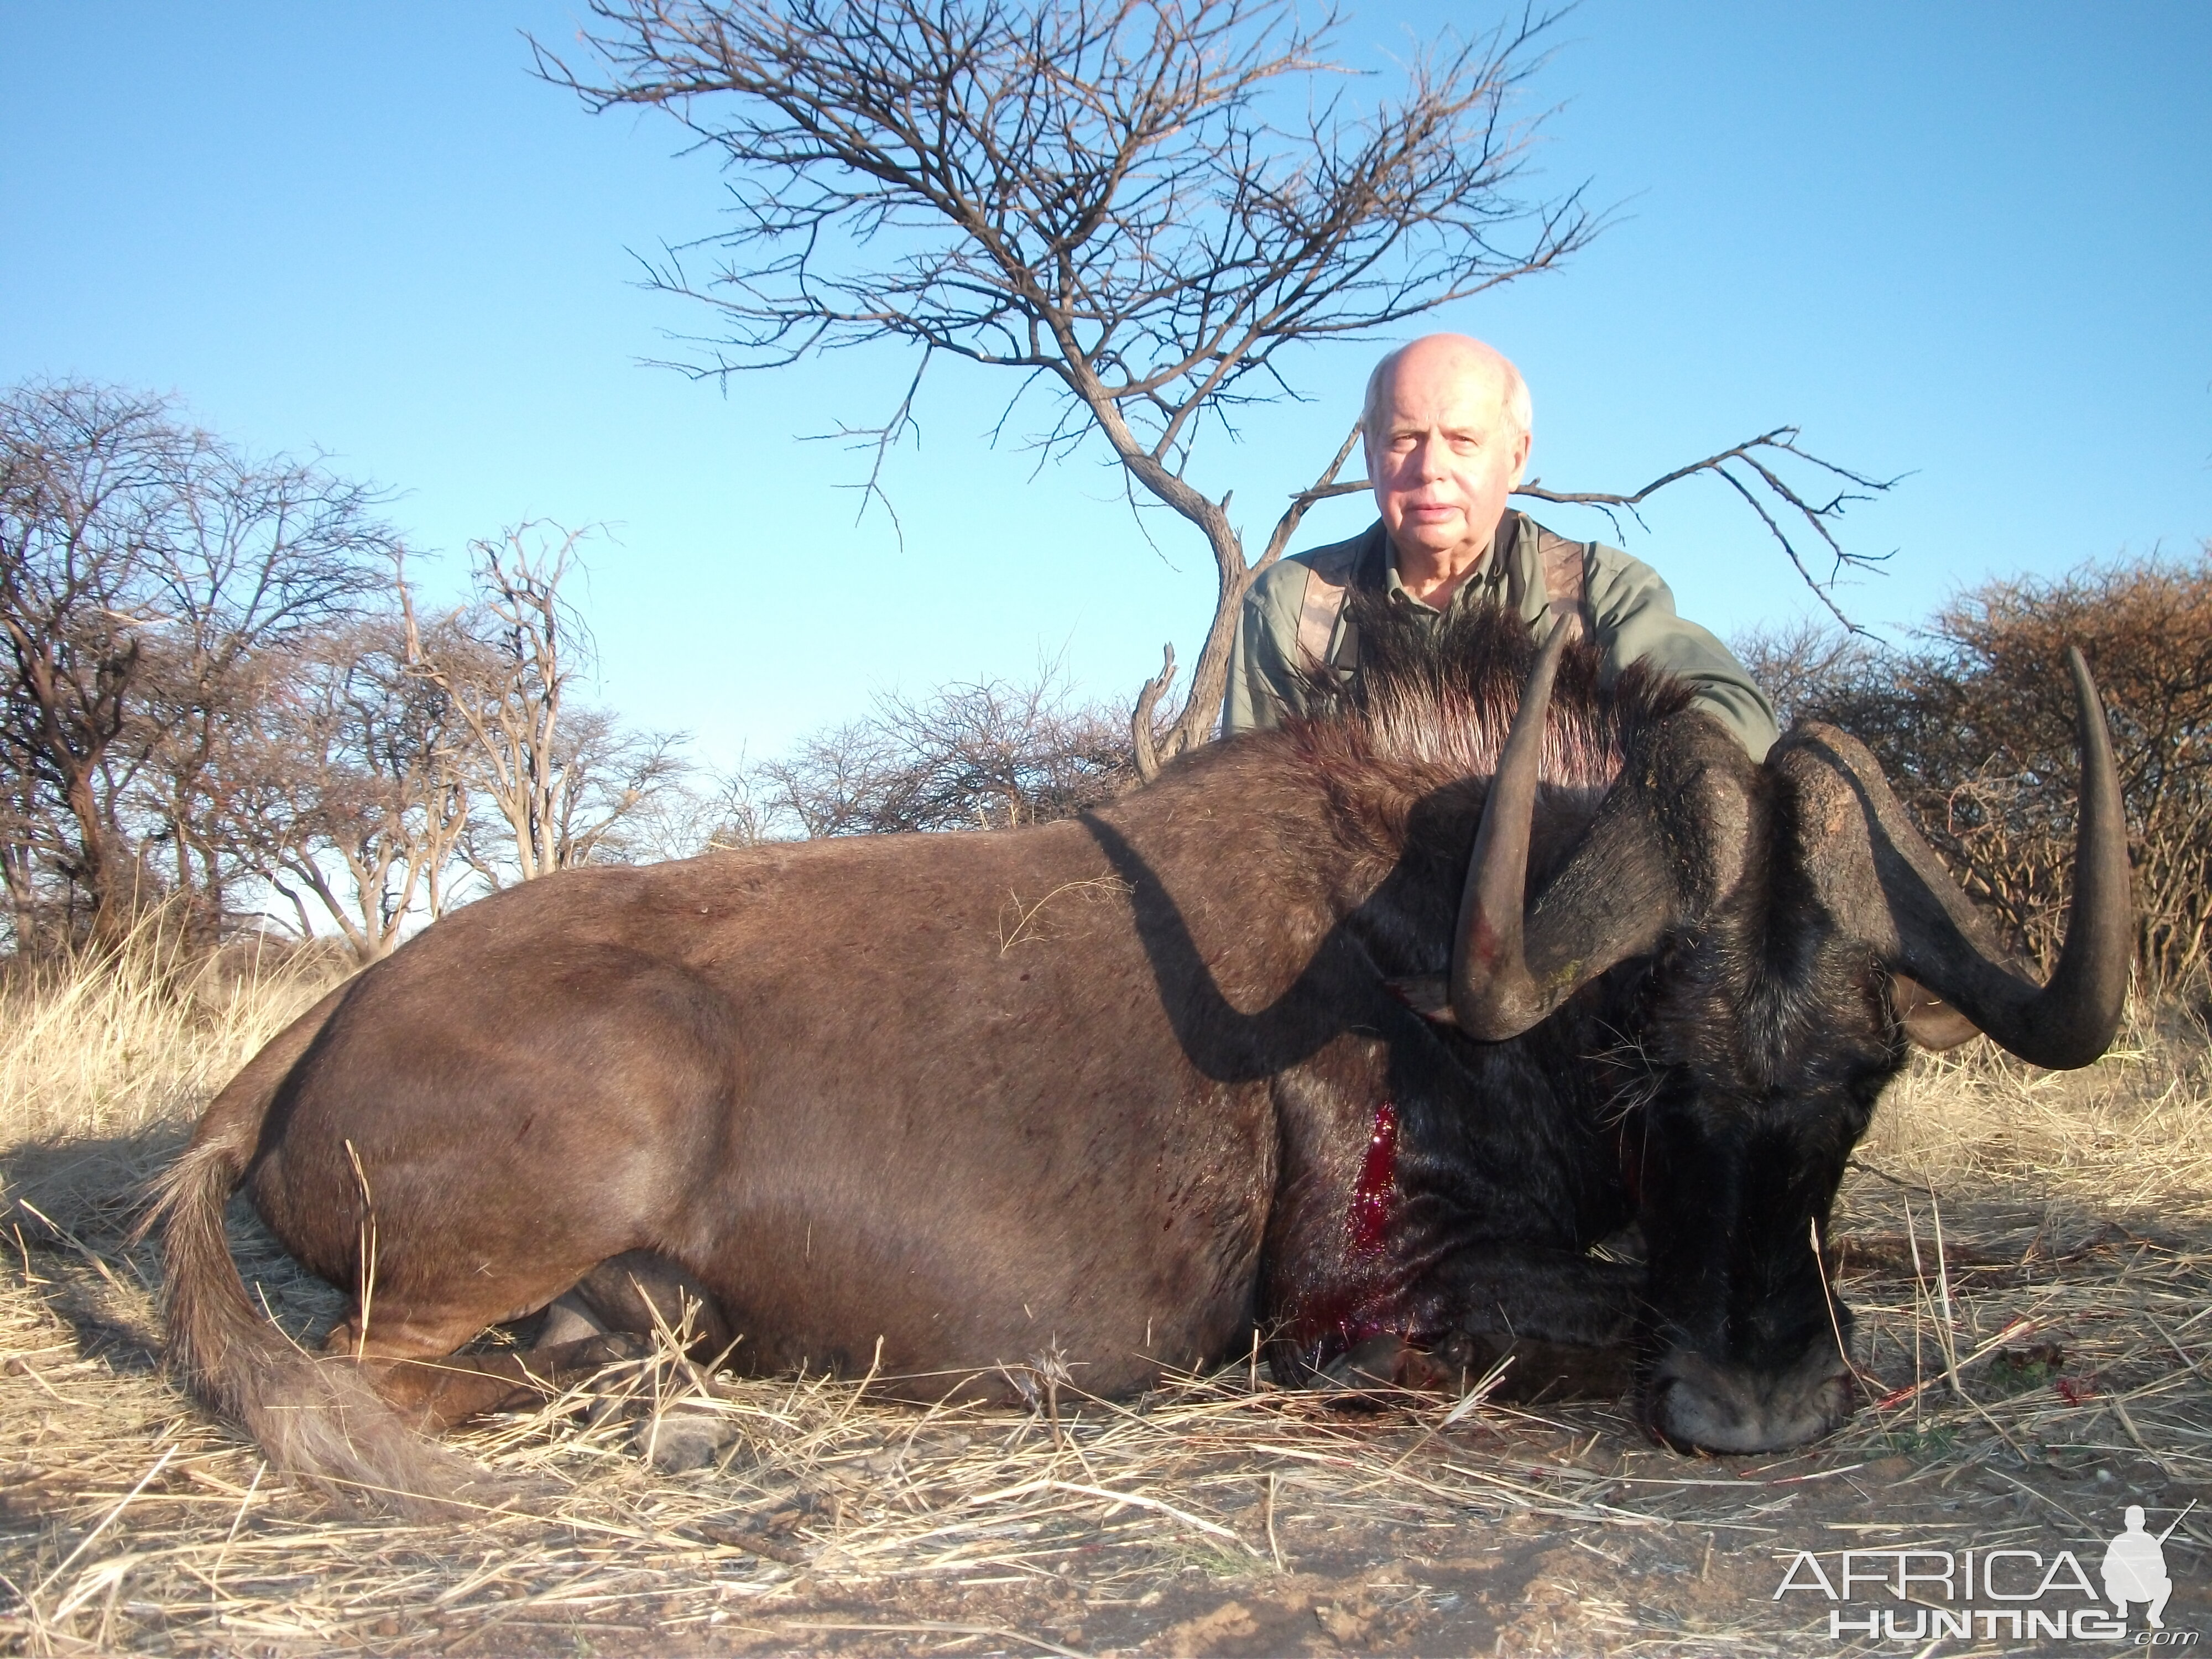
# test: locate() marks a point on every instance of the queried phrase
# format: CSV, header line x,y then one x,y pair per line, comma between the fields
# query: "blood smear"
x,y
1369,1214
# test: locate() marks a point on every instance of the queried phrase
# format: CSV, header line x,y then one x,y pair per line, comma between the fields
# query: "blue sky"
x,y
1972,243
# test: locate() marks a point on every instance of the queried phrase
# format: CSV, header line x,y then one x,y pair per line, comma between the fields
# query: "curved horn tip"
x,y
2073,1021
2087,698
2079,666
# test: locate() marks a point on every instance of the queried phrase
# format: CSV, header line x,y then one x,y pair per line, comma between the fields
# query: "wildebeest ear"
x,y
1876,875
1931,1022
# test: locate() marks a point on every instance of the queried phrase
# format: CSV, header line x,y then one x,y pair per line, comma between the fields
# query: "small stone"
x,y
1342,1625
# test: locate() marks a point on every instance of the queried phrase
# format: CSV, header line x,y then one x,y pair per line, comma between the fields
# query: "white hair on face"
x,y
1520,408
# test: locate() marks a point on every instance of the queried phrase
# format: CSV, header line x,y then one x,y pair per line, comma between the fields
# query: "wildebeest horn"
x,y
1491,993
1669,840
1883,883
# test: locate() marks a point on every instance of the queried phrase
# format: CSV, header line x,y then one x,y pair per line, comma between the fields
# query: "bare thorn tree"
x,y
87,473
1139,205
562,778
154,582
265,559
609,778
986,755
358,761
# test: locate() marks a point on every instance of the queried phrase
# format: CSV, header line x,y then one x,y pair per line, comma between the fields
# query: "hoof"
x,y
610,1348
1380,1362
683,1439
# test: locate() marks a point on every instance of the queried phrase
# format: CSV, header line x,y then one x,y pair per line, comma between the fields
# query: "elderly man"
x,y
1447,430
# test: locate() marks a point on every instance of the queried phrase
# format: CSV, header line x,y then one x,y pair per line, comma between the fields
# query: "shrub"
x,y
1975,726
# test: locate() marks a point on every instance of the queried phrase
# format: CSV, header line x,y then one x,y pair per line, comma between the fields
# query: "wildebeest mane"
x,y
1432,702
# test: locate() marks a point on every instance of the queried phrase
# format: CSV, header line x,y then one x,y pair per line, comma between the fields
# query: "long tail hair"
x,y
316,1417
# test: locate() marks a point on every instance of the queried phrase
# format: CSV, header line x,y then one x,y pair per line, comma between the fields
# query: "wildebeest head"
x,y
1800,929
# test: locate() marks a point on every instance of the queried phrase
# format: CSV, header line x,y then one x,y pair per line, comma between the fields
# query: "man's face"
x,y
1442,453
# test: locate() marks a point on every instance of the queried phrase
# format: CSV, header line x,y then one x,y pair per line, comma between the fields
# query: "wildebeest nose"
x,y
1694,1403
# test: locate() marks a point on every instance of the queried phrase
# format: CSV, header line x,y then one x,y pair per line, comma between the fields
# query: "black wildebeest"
x,y
1360,1034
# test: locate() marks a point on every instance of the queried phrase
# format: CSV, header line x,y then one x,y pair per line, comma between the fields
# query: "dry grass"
x,y
2130,1136
2053,1353
140,1042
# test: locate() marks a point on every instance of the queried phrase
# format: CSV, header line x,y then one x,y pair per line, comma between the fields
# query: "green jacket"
x,y
1629,610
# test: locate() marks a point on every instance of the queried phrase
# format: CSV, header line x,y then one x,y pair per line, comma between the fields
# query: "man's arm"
x,y
1261,685
1636,618
1245,706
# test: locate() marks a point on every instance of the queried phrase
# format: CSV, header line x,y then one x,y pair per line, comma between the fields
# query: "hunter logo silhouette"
x,y
2135,1566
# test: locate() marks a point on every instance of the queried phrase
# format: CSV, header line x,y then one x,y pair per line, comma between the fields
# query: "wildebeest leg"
x,y
1553,1296
639,1289
412,1361
1567,1320
642,1294
417,1369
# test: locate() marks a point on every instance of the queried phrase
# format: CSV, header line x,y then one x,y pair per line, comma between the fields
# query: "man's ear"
x,y
1519,461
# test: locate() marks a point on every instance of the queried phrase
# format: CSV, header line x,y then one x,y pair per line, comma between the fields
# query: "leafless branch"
x,y
879,441
1143,736
1323,488
1747,456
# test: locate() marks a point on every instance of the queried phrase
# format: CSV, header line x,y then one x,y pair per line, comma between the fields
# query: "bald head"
x,y
1447,436
1456,356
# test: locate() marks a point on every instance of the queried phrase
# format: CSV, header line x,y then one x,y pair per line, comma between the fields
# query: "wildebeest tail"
x,y
316,1417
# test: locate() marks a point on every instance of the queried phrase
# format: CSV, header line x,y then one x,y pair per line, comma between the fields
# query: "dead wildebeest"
x,y
1264,1046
